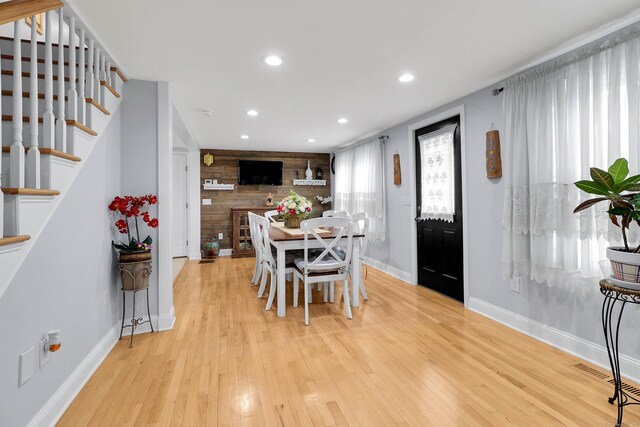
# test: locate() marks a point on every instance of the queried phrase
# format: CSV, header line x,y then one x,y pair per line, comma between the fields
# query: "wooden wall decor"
x,y
494,161
207,159
397,173
216,218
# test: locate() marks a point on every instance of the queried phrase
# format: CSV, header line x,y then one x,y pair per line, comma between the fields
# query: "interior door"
x,y
439,202
179,226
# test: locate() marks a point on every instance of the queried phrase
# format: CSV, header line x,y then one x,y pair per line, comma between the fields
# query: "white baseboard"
x,y
51,412
225,252
164,322
587,350
391,271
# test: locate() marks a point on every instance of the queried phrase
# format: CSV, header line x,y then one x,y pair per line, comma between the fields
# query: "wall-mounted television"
x,y
259,172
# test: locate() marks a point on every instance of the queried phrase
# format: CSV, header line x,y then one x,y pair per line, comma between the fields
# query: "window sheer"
x,y
560,122
359,184
437,162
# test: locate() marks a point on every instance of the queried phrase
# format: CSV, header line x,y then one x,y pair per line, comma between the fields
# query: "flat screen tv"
x,y
259,172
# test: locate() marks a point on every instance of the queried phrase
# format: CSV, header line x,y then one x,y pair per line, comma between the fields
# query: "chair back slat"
x,y
329,258
262,230
272,215
335,214
361,223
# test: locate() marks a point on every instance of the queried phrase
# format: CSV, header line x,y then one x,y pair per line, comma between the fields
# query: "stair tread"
x,y
10,240
49,152
25,119
29,191
28,95
5,38
119,73
28,74
82,127
98,106
108,86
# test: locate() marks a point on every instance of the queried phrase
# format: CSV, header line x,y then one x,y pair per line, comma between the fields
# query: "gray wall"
x,y
68,281
577,313
140,161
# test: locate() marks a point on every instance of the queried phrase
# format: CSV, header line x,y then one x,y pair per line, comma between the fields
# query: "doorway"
x,y
180,207
439,207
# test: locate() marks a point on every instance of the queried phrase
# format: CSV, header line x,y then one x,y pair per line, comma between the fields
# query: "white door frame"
x,y
186,195
458,110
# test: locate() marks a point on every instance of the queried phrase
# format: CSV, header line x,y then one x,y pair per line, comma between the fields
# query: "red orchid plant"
x,y
129,207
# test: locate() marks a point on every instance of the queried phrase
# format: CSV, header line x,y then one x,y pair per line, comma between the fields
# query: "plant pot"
x,y
292,222
135,256
135,275
625,265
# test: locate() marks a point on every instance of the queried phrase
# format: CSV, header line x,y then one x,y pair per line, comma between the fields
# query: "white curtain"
x,y
359,184
561,120
437,162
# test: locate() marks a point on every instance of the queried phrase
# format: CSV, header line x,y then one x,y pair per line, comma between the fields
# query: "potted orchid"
x,y
620,192
294,208
130,211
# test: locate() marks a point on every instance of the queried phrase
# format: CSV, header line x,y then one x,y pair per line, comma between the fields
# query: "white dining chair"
x,y
269,264
329,265
272,216
361,224
256,241
335,214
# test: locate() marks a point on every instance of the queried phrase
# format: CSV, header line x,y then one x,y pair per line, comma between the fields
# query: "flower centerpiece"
x,y
128,211
294,208
620,192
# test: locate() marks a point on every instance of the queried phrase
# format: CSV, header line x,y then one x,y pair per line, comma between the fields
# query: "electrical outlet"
x,y
220,236
44,355
27,365
515,284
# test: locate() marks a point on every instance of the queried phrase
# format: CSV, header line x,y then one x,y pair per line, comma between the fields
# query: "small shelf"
x,y
227,187
312,182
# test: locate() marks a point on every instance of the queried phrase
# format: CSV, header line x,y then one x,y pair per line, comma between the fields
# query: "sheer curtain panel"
x,y
359,184
561,119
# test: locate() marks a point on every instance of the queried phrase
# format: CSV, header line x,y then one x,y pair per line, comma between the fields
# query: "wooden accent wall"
x,y
217,217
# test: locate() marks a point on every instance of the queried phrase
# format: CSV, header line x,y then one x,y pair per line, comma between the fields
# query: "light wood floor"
x,y
409,357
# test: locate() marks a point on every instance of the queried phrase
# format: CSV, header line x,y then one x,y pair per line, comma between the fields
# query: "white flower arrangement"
x,y
294,205
324,200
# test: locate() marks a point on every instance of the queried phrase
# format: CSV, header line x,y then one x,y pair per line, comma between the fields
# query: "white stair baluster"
x,y
72,103
61,124
33,155
48,119
81,82
96,71
90,82
16,156
109,76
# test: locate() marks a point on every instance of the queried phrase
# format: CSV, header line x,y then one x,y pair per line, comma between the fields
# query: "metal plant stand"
x,y
135,278
611,326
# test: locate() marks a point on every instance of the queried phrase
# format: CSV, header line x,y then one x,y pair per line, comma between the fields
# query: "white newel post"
x,y
16,156
48,119
33,155
81,83
72,103
61,124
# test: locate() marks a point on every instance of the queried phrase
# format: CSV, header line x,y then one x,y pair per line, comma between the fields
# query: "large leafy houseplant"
x,y
619,190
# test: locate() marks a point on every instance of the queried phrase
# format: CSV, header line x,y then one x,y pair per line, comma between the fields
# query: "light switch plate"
x,y
27,365
44,355
220,236
206,202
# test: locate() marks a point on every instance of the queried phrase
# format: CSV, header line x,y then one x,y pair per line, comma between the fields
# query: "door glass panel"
x,y
437,161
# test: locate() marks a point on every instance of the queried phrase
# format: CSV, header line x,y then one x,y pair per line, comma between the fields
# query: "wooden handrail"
x,y
18,9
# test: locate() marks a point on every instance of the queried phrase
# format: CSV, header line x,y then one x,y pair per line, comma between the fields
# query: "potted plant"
x,y
620,191
129,210
294,208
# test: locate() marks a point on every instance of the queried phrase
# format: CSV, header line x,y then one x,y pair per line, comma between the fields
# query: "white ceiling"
x,y
342,58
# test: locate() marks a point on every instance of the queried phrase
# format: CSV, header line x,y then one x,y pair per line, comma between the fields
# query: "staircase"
x,y
58,90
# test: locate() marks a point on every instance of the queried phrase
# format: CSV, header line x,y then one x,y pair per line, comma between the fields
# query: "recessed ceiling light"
x,y
342,120
207,112
273,60
311,140
244,136
406,78
252,113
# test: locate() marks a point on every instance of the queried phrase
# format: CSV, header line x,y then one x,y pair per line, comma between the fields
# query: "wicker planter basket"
x,y
292,222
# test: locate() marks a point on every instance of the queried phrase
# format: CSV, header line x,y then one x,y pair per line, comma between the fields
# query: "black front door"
x,y
439,201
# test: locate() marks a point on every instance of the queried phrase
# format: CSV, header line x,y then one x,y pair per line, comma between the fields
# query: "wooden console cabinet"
x,y
242,245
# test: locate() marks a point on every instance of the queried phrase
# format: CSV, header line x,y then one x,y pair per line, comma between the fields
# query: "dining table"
x,y
292,240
